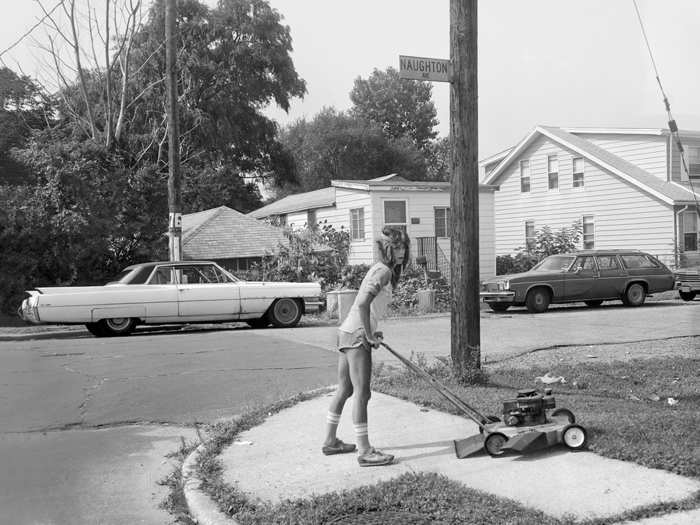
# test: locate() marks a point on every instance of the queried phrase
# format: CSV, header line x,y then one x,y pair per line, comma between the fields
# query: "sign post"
x,y
461,72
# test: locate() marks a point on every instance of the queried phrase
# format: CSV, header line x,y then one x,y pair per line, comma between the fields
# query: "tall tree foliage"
x,y
403,108
338,145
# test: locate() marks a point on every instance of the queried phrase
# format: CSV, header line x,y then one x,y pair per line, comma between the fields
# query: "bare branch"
x,y
108,78
81,73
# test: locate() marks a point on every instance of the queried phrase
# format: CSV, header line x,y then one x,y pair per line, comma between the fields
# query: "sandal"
x,y
375,458
338,448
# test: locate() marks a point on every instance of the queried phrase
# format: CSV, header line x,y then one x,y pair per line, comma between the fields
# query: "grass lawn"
x,y
623,403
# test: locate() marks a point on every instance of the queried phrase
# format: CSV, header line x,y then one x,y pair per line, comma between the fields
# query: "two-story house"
x,y
630,188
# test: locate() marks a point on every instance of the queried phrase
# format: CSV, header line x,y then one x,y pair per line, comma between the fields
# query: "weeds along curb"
x,y
201,507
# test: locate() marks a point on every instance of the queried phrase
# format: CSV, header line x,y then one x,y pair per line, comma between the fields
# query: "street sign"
x,y
421,68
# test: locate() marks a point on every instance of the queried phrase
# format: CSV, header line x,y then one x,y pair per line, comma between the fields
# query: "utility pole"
x,y
464,196
174,175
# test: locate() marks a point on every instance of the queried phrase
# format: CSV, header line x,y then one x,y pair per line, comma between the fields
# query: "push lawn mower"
x,y
526,425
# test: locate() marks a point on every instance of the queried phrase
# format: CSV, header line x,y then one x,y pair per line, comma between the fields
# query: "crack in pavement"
x,y
102,426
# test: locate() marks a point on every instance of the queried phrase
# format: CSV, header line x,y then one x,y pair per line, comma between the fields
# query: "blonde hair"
x,y
388,240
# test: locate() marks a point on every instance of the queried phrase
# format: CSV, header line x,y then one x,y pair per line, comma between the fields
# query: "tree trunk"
x,y
464,196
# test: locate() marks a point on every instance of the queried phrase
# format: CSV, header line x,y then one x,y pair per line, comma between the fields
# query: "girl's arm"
x,y
364,300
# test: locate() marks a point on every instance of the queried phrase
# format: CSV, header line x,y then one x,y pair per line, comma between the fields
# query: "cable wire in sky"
x,y
31,29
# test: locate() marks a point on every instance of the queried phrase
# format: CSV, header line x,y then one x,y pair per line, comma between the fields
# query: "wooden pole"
x,y
174,175
464,196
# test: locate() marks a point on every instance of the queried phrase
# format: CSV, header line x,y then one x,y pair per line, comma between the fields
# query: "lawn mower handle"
x,y
445,392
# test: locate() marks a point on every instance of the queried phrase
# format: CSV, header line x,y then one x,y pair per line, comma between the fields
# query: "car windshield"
x,y
554,263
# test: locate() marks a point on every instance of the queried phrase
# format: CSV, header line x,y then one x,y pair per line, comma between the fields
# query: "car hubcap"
x,y
286,311
118,323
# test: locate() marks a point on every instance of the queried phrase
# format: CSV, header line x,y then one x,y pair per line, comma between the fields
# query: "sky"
x,y
568,63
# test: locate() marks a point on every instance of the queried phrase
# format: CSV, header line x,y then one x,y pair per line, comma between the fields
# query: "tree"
x,y
402,108
338,145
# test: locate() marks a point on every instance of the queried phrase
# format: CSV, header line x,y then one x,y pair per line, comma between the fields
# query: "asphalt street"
x,y
86,423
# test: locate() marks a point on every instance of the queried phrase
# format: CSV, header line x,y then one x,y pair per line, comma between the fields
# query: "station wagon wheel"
x,y
117,326
537,300
574,437
494,444
499,307
593,304
634,295
285,312
687,296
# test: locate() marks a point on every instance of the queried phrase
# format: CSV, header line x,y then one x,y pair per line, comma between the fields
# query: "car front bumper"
x,y
497,297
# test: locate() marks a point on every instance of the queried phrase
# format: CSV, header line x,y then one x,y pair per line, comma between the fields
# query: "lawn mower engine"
x,y
528,408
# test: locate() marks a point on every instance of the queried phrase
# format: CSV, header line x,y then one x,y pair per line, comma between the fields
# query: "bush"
x,y
520,262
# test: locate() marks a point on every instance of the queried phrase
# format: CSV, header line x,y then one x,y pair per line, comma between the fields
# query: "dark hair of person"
x,y
389,239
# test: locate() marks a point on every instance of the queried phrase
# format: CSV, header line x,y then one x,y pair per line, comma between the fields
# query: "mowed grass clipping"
x,y
642,410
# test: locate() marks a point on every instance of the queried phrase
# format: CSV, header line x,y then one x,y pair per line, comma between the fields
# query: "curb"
x,y
62,334
200,506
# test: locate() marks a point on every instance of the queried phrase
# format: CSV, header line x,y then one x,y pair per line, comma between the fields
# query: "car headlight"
x,y
503,286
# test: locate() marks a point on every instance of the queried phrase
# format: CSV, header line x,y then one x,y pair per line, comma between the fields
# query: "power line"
x,y
672,126
31,29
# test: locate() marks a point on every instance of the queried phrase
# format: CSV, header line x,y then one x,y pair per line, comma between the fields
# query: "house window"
x,y
693,158
524,176
689,220
442,222
395,214
357,224
588,232
578,172
278,220
311,218
553,172
530,238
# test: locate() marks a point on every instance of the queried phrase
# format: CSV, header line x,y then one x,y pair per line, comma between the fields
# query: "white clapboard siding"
x,y
646,151
625,216
361,251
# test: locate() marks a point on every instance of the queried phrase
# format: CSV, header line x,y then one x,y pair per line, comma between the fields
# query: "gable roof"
x,y
224,233
298,202
667,191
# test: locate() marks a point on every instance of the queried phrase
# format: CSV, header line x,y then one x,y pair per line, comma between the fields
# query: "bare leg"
x,y
360,369
341,396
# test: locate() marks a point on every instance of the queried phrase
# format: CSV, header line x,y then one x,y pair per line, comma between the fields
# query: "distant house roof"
x,y
224,233
301,201
667,191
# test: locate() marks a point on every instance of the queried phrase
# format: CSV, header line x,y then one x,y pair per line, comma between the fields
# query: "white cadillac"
x,y
171,292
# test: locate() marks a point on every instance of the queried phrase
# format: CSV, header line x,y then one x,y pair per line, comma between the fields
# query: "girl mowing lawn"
x,y
357,335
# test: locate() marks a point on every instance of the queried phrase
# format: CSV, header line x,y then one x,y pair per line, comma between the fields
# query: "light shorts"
x,y
356,339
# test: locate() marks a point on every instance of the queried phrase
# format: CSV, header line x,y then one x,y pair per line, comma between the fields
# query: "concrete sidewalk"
x,y
556,481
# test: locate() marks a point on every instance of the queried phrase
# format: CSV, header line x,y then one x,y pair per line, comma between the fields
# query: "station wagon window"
x,y
583,263
633,262
442,222
395,214
524,176
578,172
554,263
608,262
357,224
553,172
588,232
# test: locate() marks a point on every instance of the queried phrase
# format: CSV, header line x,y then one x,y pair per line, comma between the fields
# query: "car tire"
x,y
285,312
95,329
116,326
593,304
260,322
634,295
537,300
499,307
687,296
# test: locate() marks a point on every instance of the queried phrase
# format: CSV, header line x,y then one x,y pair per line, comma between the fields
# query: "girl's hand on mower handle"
x,y
376,339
